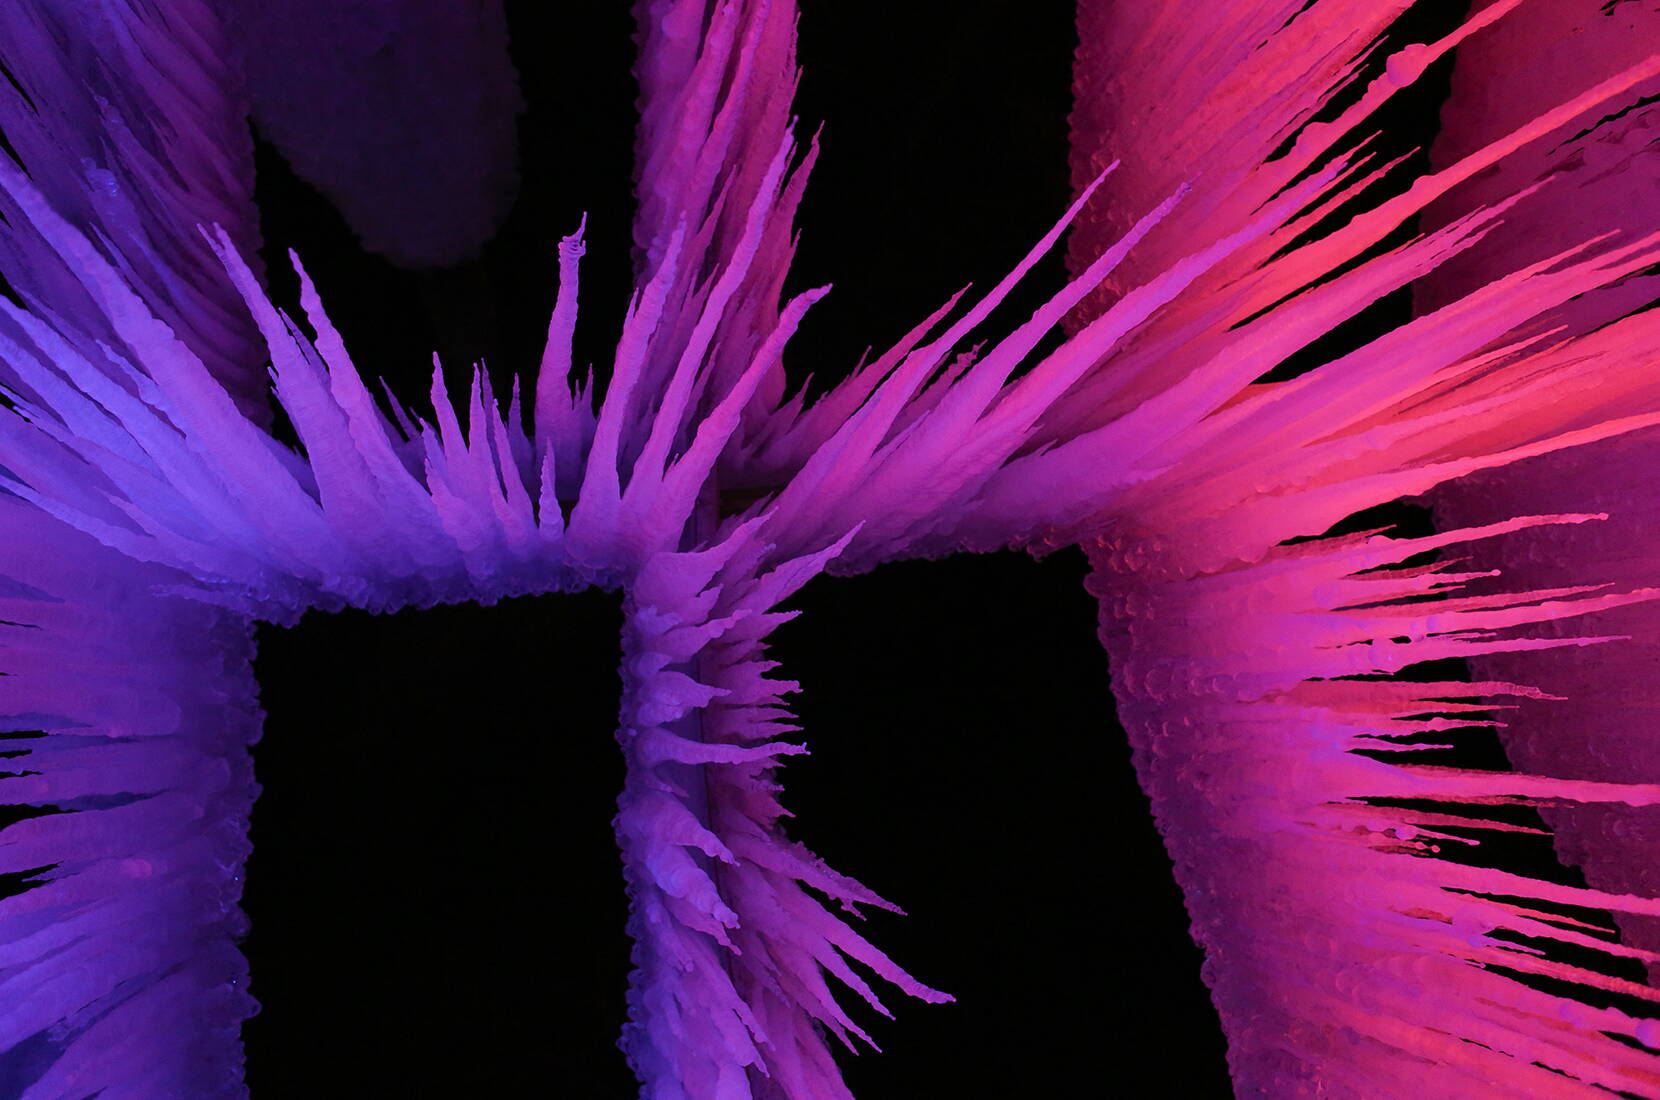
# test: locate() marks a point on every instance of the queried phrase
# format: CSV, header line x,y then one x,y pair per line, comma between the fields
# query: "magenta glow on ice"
x,y
152,519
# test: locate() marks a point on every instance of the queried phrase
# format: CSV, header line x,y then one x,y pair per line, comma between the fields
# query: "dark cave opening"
x,y
435,897
967,764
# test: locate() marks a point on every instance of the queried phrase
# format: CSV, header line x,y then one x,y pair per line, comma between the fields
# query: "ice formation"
x,y
154,520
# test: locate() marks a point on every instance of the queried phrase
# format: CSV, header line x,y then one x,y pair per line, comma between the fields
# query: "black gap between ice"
x,y
1404,127
943,161
968,765
435,896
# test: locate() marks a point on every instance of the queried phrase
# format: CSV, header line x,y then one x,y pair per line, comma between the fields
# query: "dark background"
x,y
434,891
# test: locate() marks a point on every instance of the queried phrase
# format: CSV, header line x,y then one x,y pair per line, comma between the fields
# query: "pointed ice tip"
x,y
215,236
1101,176
574,247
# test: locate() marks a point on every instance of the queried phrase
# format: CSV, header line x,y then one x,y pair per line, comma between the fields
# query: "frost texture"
x,y
154,522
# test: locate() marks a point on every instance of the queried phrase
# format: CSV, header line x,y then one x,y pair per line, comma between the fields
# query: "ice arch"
x,y
154,520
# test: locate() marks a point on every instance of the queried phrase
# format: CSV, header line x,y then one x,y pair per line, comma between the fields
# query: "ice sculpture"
x,y
154,520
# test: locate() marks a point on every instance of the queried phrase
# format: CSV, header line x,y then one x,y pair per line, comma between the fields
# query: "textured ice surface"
x,y
154,521
1604,170
129,116
1261,682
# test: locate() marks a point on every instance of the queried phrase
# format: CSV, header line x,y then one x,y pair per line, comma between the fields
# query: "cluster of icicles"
x,y
151,519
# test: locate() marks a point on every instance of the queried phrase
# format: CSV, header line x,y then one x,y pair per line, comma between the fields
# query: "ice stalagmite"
x,y
155,520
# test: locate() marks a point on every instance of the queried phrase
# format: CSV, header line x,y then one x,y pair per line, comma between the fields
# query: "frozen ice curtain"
x,y
1268,661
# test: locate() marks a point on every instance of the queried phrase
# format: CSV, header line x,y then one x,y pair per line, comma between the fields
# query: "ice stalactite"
x,y
130,118
1603,169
